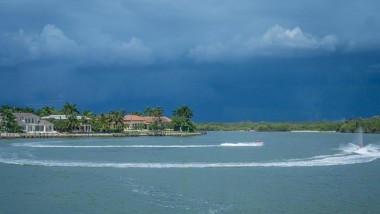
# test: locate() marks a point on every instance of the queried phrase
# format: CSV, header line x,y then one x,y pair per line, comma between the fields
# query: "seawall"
x,y
73,135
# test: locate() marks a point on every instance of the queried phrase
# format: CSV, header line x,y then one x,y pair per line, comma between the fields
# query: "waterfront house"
x,y
32,123
83,127
142,122
134,122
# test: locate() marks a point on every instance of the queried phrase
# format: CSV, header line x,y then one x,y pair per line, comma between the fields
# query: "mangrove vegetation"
x,y
369,125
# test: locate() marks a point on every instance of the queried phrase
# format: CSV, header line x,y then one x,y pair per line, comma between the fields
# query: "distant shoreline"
x,y
368,125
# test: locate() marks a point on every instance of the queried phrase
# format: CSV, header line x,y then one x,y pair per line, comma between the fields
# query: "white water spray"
x,y
350,154
360,140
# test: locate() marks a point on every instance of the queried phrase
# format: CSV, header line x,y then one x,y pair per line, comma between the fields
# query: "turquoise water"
x,y
220,172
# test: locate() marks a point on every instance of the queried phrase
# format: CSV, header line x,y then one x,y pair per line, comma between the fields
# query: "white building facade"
x,y
32,123
83,127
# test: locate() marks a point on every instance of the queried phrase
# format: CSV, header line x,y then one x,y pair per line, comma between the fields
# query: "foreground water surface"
x,y
220,172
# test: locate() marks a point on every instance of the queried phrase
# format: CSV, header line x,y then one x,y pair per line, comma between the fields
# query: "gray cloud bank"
x,y
276,41
53,43
230,60
129,32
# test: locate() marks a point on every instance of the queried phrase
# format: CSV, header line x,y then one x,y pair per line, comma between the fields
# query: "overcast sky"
x,y
244,60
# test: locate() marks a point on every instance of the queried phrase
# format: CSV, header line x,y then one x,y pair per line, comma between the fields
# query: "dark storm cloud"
x,y
52,44
201,29
229,60
277,41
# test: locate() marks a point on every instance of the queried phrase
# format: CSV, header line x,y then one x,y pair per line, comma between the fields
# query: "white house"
x,y
82,127
32,123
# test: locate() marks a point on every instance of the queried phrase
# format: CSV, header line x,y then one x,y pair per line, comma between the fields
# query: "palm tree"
x,y
111,118
24,109
5,107
183,111
116,118
158,112
182,119
120,118
148,111
71,111
68,109
72,121
102,122
45,111
136,113
88,114
8,121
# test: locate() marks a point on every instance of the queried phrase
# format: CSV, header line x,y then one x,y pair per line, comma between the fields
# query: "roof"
x,y
21,123
152,119
55,116
30,115
24,115
40,122
166,119
61,117
45,123
131,117
147,120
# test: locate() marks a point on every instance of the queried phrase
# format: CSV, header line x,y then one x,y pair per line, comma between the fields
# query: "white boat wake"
x,y
246,144
371,149
41,145
348,155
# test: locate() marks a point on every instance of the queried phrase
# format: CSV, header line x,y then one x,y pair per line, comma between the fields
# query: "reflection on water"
x,y
221,172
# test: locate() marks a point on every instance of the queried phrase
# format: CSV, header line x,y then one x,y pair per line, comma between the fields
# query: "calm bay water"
x,y
221,172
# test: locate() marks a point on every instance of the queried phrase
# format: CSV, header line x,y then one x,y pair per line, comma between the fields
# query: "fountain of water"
x,y
360,137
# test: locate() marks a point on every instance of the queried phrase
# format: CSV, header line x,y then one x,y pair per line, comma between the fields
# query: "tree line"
x,y
103,122
369,125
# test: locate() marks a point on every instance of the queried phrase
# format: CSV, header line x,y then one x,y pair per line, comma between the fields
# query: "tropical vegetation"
x,y
103,122
8,121
369,125
181,121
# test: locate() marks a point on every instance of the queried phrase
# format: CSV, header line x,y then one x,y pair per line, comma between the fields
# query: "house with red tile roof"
x,y
142,122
